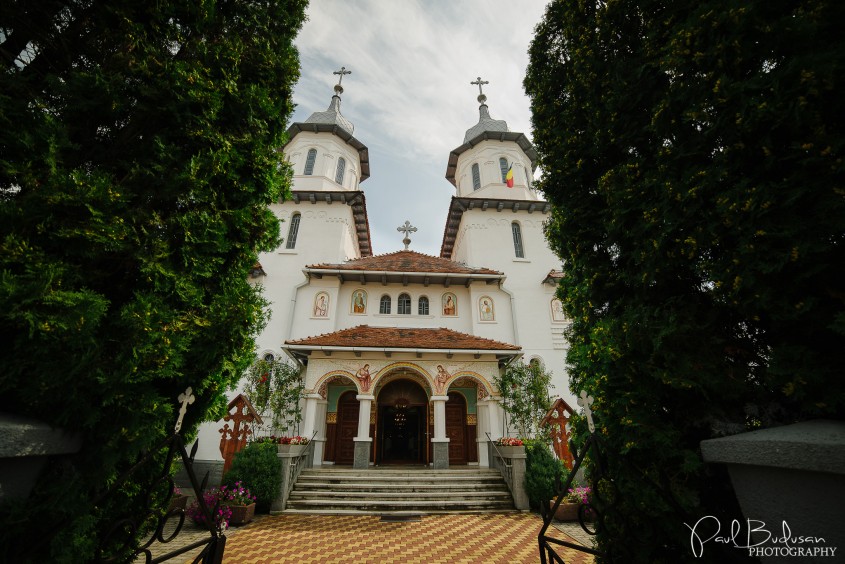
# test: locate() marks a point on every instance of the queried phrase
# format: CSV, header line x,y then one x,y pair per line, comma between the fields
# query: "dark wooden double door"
x,y
400,432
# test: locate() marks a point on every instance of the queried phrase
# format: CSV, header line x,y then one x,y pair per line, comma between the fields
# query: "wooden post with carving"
x,y
242,415
557,419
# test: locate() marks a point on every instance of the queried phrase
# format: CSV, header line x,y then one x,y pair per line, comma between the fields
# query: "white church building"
x,y
399,351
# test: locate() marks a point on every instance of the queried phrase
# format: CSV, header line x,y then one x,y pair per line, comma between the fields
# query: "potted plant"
x,y
221,513
570,504
230,505
178,500
287,445
240,502
509,446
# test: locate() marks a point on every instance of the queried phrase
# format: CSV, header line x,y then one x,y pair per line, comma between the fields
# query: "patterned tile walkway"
x,y
507,538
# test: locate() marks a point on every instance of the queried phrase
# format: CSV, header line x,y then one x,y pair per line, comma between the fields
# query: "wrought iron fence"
x,y
119,537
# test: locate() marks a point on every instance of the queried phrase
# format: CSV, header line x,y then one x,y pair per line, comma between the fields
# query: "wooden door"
x,y
347,428
456,428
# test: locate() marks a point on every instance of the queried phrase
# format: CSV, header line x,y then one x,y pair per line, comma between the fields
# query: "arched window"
x,y
527,178
517,240
384,305
503,164
309,162
404,304
293,231
422,306
476,177
341,168
269,357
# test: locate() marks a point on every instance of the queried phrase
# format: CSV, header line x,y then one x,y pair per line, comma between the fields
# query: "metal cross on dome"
x,y
407,229
341,72
479,82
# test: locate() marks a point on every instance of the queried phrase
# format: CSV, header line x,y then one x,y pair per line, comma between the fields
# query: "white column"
x,y
320,427
440,443
363,442
365,401
309,418
439,417
483,428
494,412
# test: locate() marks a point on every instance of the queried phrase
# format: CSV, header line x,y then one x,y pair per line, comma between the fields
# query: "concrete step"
x,y
406,487
382,506
474,495
399,491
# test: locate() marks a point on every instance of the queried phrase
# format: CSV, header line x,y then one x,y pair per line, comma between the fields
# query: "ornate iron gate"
x,y
116,542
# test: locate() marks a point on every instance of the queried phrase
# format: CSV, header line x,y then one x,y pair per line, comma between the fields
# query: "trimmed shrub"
x,y
258,468
541,468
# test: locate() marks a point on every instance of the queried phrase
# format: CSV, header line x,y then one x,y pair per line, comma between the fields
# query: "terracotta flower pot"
x,y
241,514
177,502
565,511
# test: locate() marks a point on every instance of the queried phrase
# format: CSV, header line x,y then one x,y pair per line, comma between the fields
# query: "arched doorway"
x,y
456,428
401,436
347,428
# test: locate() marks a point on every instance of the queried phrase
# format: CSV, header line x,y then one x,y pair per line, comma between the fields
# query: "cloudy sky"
x,y
409,94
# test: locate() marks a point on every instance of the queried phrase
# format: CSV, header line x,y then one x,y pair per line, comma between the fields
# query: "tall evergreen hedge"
x,y
137,161
693,154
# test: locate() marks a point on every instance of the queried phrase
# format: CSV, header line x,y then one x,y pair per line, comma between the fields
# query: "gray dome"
x,y
485,123
332,116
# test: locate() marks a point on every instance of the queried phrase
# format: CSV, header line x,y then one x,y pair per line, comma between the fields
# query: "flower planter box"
x,y
565,511
511,451
241,514
295,450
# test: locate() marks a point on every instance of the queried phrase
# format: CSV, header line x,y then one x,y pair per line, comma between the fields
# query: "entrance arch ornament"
x,y
335,376
462,376
403,370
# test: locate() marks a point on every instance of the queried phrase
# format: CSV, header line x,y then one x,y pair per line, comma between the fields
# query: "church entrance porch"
x,y
401,423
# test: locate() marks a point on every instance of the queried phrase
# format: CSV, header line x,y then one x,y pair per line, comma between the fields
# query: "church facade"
x,y
399,351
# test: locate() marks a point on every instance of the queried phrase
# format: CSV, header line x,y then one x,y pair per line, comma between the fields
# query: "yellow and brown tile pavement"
x,y
452,538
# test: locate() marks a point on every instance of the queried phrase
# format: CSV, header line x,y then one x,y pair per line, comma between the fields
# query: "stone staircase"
x,y
399,490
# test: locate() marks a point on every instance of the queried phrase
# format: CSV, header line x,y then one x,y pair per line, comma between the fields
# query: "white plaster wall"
x,y
485,239
487,155
329,148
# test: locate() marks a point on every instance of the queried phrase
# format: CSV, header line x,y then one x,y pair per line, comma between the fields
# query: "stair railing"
x,y
500,463
291,471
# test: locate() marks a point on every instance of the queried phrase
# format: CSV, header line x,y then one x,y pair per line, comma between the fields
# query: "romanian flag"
x,y
509,177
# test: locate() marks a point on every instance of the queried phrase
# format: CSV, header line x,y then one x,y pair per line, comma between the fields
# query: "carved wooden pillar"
x,y
233,439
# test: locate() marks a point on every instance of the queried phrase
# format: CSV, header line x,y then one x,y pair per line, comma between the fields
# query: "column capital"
x,y
313,396
443,440
365,397
439,398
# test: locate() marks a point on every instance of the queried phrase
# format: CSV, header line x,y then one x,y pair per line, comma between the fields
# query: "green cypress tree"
x,y
137,160
693,153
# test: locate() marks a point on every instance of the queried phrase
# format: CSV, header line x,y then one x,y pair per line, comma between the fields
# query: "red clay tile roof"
x,y
553,276
405,261
404,338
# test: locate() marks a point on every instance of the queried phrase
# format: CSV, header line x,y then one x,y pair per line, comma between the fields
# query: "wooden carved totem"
x,y
234,438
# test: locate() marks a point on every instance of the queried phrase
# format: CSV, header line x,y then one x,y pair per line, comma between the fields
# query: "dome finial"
x,y
338,89
481,97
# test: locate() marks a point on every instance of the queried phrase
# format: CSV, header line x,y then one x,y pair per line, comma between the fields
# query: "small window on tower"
x,y
503,164
293,231
476,177
517,240
341,168
309,162
422,306
527,178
